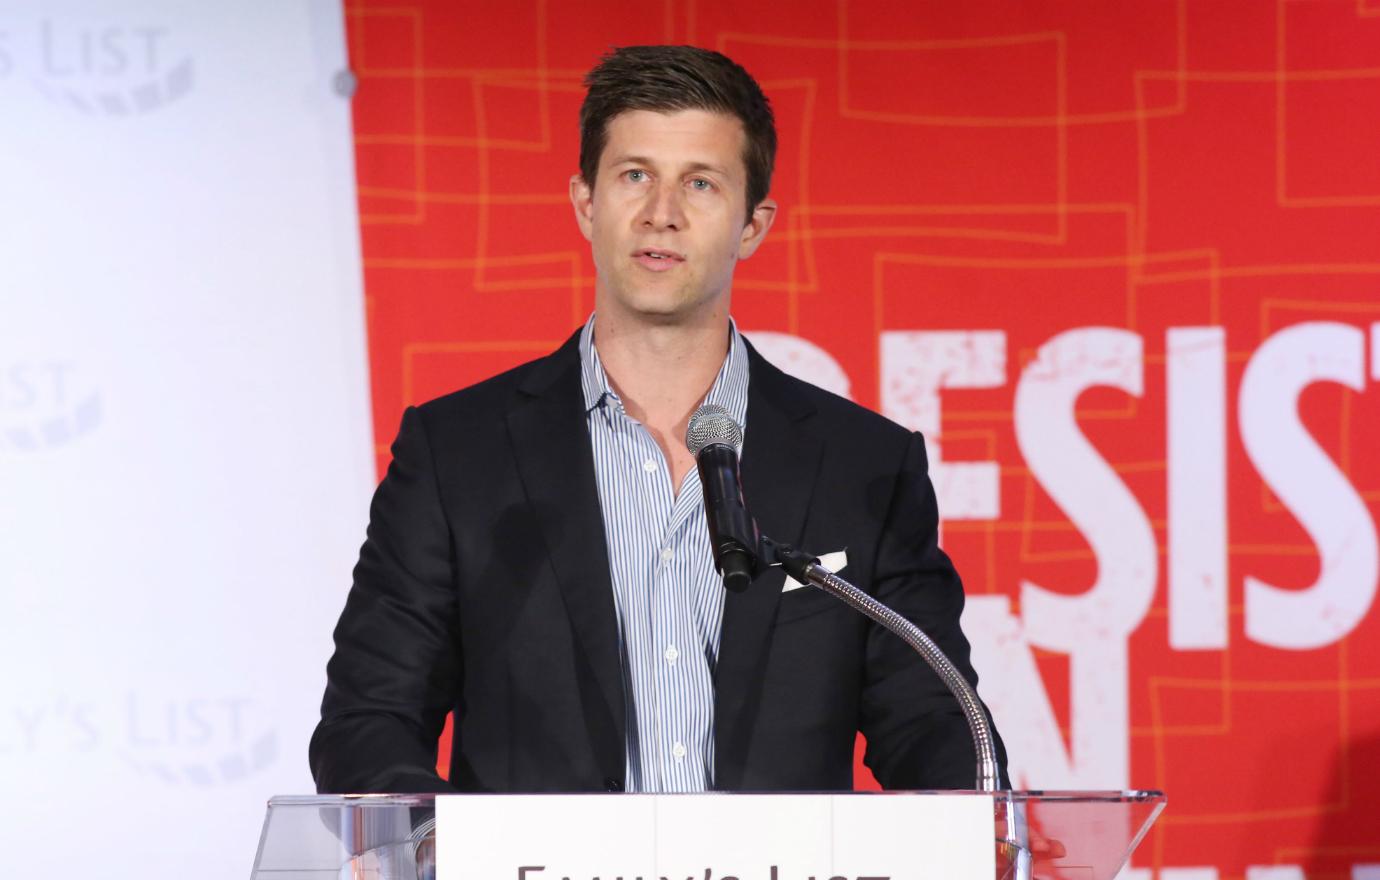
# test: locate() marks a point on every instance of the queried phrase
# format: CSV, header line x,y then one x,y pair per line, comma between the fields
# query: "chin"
x,y
661,304
666,315
667,306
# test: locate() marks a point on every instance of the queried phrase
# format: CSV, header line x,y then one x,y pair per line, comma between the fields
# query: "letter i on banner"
x,y
1197,452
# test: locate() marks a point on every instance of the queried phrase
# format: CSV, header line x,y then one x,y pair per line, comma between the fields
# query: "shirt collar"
x,y
728,391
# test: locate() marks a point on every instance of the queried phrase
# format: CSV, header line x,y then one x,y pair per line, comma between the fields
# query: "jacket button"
x,y
612,784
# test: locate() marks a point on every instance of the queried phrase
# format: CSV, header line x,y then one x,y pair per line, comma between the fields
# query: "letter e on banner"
x,y
915,365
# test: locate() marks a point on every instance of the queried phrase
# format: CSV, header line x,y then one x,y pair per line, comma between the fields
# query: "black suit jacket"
x,y
484,587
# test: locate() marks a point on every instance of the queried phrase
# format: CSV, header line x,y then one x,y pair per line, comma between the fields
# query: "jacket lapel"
x,y
779,466
556,462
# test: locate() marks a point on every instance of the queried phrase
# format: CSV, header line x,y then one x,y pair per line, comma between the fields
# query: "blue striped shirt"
x,y
669,598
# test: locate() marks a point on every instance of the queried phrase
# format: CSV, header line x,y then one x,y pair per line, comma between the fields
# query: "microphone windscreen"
x,y
711,424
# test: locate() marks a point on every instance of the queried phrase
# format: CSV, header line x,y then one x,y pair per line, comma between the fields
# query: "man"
x,y
538,558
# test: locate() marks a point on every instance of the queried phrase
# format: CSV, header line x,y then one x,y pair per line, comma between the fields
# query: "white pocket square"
x,y
835,562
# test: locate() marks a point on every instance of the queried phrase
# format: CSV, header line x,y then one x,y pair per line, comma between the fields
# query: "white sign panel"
x,y
715,837
185,447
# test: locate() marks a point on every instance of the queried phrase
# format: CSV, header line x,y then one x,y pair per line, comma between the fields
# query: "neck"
x,y
662,371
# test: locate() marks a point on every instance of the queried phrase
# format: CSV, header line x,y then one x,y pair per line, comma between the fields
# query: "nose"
x,y
664,208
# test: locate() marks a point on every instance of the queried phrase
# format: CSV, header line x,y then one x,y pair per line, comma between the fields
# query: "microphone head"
x,y
712,424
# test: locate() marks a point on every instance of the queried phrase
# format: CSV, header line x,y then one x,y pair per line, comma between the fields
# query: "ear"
x,y
756,228
582,199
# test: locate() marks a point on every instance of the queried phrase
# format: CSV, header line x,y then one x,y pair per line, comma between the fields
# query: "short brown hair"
x,y
666,79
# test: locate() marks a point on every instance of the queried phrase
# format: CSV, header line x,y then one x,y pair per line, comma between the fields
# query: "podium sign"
x,y
720,837
1060,835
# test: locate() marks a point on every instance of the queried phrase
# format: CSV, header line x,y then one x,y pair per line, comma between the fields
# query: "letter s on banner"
x,y
1311,486
1085,487
1091,627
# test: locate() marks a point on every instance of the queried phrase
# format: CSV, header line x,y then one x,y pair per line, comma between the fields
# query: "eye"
x,y
636,175
700,184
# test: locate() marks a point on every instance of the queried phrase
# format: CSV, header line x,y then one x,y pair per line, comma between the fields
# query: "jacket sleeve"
x,y
396,667
916,734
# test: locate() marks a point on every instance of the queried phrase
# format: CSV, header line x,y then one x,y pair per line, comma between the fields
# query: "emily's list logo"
x,y
110,70
45,404
199,741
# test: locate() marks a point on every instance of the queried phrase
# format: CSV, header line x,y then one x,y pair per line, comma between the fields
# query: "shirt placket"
x,y
676,602
661,725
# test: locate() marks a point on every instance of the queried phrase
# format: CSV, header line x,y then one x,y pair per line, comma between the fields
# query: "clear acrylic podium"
x,y
1088,835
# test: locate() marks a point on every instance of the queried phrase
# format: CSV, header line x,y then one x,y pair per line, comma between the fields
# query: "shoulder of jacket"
x,y
487,401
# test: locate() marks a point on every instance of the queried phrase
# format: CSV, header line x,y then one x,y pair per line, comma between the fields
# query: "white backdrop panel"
x,y
185,443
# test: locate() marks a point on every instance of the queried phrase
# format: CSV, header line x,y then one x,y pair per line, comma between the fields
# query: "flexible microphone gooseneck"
x,y
740,552
713,437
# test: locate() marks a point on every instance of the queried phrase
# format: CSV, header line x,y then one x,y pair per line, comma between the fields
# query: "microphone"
x,y
713,437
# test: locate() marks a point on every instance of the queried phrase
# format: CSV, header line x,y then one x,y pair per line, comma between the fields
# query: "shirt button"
x,y
678,750
667,554
649,466
671,654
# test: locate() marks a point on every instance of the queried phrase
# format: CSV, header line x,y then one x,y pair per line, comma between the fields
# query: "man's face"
x,y
665,217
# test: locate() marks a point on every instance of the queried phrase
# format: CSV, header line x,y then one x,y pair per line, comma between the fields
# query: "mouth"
x,y
658,259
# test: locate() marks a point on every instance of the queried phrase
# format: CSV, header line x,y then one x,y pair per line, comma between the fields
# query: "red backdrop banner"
x,y
1119,262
